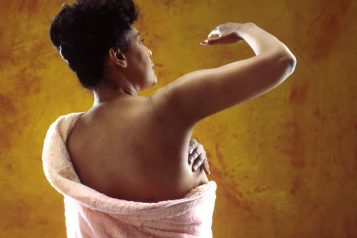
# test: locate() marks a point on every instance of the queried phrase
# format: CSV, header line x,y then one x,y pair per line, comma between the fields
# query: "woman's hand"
x,y
197,155
228,33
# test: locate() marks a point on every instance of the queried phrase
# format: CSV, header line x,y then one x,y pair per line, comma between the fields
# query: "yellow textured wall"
x,y
285,163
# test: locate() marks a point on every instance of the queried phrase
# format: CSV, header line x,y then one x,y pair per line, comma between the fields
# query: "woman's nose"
x,y
150,53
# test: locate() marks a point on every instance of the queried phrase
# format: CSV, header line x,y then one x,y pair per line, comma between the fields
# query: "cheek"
x,y
140,60
136,62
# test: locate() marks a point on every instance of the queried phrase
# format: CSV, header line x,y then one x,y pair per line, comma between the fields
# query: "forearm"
x,y
261,41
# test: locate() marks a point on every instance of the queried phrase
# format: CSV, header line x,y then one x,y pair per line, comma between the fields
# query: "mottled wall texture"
x,y
285,162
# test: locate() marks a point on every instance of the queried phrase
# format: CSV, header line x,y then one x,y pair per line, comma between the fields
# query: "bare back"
x,y
126,149
136,148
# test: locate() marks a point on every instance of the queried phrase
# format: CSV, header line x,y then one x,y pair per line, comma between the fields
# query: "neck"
x,y
105,94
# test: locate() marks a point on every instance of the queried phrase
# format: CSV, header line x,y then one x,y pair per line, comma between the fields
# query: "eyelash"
x,y
142,41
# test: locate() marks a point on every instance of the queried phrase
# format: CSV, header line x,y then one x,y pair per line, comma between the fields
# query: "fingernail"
x,y
204,42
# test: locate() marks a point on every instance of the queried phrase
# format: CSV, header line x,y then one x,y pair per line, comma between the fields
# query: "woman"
x,y
132,147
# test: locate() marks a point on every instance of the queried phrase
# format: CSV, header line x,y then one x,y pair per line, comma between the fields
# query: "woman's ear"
x,y
118,57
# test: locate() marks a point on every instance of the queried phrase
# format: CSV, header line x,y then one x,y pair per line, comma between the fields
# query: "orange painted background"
x,y
285,162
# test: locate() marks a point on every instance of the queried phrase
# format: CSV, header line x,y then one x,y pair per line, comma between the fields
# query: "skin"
x,y
139,157
121,70
126,73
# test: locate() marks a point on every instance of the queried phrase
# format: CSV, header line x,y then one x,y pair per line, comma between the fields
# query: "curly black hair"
x,y
84,31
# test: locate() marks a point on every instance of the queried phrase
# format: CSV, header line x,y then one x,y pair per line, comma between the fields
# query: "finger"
x,y
198,162
215,32
200,158
211,41
197,151
193,140
213,36
206,166
194,155
193,145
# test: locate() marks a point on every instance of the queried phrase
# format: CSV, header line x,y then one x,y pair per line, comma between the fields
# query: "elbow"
x,y
287,67
290,63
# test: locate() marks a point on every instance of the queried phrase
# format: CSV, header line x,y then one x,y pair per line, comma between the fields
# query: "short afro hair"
x,y
84,31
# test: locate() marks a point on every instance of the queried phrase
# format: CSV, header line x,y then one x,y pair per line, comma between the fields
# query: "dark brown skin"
x,y
126,147
135,148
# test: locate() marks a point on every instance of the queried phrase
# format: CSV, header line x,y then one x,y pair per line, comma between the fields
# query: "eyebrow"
x,y
138,34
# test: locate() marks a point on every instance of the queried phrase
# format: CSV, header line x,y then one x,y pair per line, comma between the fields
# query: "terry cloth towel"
x,y
90,213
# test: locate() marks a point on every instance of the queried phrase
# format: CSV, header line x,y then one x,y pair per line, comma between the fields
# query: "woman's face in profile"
x,y
139,61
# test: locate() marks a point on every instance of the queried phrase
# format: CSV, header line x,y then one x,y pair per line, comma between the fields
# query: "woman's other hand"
x,y
197,156
228,33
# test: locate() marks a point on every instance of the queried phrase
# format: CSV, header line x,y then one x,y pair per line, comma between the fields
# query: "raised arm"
x,y
202,93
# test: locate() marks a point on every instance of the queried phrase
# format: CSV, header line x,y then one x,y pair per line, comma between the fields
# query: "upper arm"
x,y
202,93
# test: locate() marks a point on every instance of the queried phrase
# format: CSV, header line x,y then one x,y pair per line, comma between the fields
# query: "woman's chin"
x,y
155,78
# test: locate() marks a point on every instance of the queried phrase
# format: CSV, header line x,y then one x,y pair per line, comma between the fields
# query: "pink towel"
x,y
90,213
